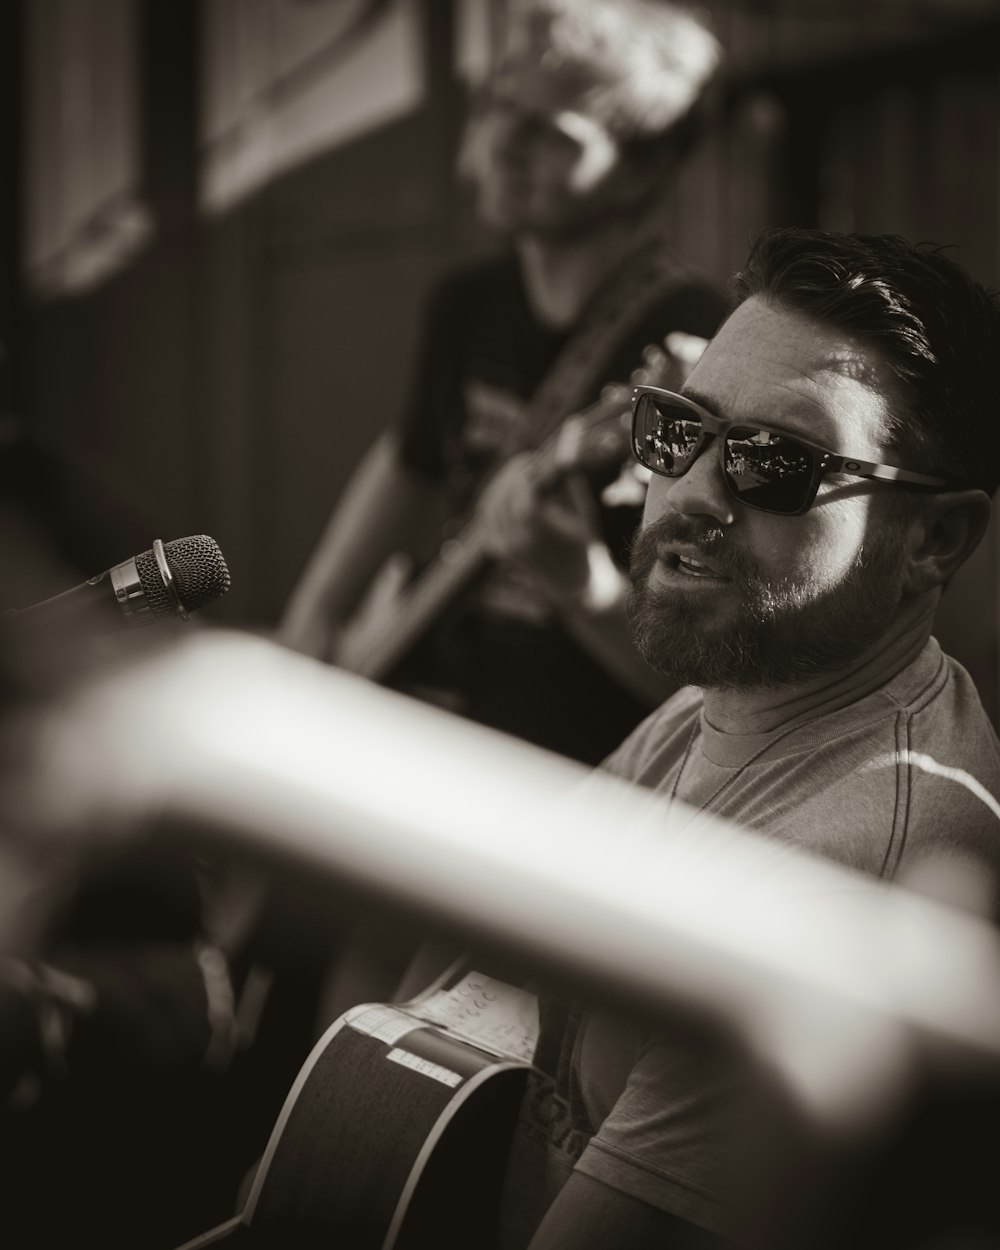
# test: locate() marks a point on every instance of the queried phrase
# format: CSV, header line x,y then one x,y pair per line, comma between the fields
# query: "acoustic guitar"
x,y
398,609
395,1133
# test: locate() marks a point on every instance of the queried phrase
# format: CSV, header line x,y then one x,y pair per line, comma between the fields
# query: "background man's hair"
x,y
936,329
641,67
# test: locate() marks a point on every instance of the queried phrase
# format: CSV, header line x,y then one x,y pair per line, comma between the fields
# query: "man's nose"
x,y
702,490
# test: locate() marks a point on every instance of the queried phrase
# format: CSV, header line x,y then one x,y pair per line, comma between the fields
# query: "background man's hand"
x,y
546,526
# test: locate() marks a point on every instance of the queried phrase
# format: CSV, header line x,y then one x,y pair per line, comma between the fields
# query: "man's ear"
x,y
943,535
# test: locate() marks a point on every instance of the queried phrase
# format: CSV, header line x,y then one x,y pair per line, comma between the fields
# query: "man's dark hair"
x,y
936,329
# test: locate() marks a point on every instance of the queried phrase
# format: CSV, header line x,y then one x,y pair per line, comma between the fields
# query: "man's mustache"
x,y
709,540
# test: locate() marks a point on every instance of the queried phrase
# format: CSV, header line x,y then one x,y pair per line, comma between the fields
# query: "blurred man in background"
x,y
572,148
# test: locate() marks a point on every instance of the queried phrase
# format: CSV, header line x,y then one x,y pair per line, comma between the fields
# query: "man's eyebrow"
x,y
766,423
769,423
698,398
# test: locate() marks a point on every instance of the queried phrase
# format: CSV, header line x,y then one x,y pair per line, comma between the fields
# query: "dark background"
x,y
229,372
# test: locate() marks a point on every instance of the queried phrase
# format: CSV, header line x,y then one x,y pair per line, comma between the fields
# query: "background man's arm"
x,y
385,509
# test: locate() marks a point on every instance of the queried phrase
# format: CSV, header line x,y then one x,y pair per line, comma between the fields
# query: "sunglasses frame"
x,y
823,460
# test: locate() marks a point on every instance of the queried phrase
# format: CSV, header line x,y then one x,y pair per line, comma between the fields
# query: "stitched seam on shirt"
x,y
920,698
933,688
935,684
901,810
661,1173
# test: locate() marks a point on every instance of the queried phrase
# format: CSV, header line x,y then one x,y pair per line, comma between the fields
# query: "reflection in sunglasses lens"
x,y
681,437
767,470
764,469
666,436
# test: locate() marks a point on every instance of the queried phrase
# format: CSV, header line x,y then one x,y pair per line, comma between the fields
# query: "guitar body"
x,y
393,1137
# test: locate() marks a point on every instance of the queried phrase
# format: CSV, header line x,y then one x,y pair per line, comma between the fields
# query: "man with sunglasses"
x,y
813,489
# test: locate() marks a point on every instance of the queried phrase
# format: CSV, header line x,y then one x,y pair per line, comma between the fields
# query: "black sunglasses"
x,y
764,468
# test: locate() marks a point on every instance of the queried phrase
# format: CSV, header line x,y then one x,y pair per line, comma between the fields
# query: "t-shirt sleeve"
x,y
949,761
666,1140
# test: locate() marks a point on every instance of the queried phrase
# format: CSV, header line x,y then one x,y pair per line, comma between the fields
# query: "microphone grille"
x,y
199,571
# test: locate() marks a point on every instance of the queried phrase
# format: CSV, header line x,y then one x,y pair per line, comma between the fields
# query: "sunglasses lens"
x,y
769,471
764,469
664,435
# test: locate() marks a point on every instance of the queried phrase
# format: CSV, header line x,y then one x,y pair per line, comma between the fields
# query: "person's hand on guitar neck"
x,y
541,514
544,519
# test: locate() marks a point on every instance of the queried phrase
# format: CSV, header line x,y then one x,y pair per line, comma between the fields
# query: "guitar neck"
x,y
373,647
373,651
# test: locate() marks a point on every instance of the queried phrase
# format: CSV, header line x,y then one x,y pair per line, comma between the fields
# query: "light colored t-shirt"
x,y
909,770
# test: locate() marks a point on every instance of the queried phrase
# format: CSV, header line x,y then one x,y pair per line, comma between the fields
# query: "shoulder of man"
x,y
920,779
951,757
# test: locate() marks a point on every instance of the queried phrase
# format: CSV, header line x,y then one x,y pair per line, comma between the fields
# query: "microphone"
x,y
170,580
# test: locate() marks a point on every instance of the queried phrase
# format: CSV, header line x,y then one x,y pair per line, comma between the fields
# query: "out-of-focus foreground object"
x,y
869,1016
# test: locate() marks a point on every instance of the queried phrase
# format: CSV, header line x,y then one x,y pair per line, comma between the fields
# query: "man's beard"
x,y
785,632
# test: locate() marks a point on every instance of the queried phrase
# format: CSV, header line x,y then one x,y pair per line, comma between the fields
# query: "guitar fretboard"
x,y
373,651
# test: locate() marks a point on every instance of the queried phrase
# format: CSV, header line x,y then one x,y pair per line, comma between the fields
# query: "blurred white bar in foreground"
x,y
579,872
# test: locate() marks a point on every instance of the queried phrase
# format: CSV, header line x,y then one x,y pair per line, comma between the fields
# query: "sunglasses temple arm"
x,y
880,472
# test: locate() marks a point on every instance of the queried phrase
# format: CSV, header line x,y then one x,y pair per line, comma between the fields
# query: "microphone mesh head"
x,y
199,571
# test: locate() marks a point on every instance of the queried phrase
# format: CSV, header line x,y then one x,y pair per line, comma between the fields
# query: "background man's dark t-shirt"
x,y
501,656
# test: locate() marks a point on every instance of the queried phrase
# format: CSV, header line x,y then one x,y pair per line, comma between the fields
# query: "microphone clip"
x,y
133,596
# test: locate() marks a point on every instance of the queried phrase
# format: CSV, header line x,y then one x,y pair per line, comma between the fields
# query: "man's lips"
x,y
689,562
